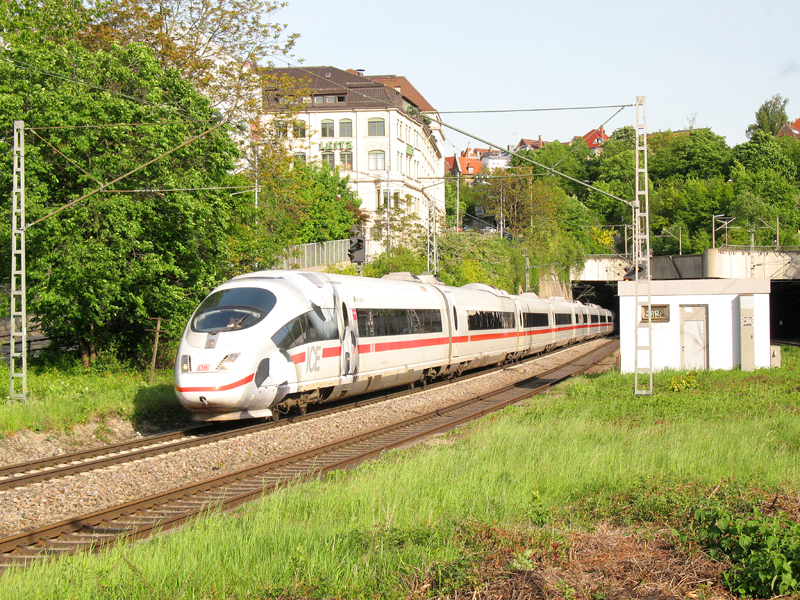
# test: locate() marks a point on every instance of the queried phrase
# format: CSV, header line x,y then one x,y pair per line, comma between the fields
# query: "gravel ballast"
x,y
39,504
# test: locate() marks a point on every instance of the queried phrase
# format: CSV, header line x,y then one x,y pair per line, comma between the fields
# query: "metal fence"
x,y
316,255
320,254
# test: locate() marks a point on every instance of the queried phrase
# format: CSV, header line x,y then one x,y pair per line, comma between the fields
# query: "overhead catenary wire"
x,y
428,115
516,110
121,177
530,160
49,73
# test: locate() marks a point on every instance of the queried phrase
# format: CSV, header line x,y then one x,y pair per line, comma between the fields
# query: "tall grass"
x,y
419,521
60,399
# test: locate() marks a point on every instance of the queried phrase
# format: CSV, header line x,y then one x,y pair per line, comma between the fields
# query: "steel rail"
x,y
140,518
20,474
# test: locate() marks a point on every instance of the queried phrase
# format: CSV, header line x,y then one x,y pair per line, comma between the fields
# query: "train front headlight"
x,y
227,362
186,363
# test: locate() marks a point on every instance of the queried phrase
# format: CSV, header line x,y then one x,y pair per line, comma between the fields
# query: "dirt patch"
x,y
26,445
611,563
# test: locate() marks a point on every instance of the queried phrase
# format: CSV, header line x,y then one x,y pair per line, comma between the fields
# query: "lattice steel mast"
x,y
643,337
18,356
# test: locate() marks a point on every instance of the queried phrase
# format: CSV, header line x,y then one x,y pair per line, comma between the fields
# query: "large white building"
x,y
375,129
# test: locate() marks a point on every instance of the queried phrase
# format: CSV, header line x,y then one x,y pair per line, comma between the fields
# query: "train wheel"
x,y
302,409
275,415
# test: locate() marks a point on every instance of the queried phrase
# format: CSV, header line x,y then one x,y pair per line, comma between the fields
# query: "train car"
x,y
268,342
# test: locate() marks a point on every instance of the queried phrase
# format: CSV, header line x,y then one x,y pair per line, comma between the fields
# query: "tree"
x,y
770,116
790,146
570,160
331,208
218,45
25,22
100,269
470,195
699,153
764,152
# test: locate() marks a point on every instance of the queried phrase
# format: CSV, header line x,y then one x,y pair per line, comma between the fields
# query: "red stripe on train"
x,y
221,388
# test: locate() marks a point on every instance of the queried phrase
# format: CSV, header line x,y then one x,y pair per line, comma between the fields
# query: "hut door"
x,y
694,337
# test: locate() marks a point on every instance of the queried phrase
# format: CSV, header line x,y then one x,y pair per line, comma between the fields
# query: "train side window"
x,y
377,322
455,318
305,329
323,326
490,319
535,320
563,319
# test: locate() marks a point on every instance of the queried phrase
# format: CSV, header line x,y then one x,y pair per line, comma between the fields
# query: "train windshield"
x,y
233,309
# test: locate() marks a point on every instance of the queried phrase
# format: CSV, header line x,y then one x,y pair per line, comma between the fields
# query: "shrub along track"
x,y
140,518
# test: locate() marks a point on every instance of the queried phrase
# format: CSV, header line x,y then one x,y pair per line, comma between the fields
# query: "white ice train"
x,y
264,343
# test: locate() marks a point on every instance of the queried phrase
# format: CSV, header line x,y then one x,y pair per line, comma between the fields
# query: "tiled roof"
x,y
595,138
533,144
409,91
358,91
465,163
790,129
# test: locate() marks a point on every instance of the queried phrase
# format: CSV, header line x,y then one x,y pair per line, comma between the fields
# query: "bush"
x,y
764,551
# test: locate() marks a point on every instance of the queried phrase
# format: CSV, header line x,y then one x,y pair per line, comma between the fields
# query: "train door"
x,y
349,358
348,330
451,321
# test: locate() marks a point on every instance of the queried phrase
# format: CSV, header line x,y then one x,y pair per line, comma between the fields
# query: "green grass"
x,y
425,521
59,399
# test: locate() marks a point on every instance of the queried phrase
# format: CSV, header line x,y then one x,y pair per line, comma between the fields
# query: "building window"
x,y
281,129
345,128
318,99
377,160
376,127
328,158
346,161
299,129
330,99
327,128
300,157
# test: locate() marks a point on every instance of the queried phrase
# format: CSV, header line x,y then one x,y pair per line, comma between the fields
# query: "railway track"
x,y
16,475
140,518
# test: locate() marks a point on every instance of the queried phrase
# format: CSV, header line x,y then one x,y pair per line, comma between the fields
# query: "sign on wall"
x,y
340,145
659,313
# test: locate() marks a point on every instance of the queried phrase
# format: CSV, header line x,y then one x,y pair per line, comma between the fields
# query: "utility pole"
x,y
458,202
643,326
18,354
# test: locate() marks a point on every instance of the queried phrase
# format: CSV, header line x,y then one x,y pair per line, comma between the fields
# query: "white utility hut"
x,y
699,324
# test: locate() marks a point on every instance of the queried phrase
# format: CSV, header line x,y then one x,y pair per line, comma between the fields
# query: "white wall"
x,y
723,335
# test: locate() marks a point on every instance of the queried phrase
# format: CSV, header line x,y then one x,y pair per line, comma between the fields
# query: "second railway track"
x,y
168,509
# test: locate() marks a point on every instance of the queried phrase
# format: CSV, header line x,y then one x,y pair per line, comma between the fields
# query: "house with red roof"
x,y
594,139
467,165
791,130
526,144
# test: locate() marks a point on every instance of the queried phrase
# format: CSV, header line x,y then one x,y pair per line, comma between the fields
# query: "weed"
x,y
683,381
764,550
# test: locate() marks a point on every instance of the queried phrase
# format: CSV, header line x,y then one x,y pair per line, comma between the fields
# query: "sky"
x,y
712,63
